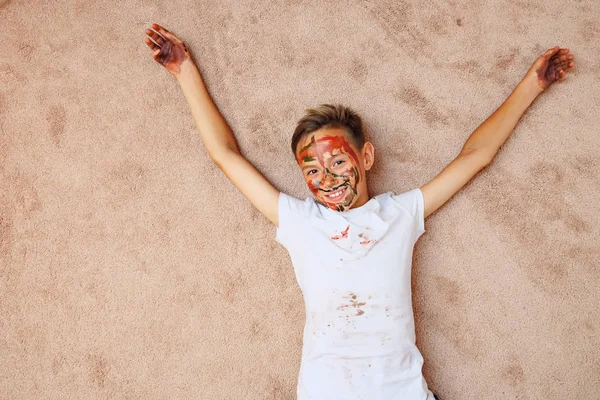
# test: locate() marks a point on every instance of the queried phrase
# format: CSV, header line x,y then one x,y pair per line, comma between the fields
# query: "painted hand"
x,y
169,51
551,67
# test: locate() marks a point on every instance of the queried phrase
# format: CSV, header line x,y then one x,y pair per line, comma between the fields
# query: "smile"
x,y
337,195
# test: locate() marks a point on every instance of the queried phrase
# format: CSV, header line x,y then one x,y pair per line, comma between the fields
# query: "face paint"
x,y
338,169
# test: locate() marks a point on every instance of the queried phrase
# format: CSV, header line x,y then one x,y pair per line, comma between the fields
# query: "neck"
x,y
362,200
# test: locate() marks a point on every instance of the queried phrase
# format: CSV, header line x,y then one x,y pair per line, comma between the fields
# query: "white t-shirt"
x,y
354,270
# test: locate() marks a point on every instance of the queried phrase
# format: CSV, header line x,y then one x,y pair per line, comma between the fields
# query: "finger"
x,y
151,44
566,65
564,57
562,75
155,34
558,63
156,37
163,32
551,51
159,28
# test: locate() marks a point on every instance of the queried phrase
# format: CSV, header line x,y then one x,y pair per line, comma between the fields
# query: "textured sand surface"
x,y
131,268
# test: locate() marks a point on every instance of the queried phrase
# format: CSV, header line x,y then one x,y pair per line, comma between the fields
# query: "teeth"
x,y
336,194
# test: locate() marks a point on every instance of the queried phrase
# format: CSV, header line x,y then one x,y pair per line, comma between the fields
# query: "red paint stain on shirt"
x,y
366,241
344,234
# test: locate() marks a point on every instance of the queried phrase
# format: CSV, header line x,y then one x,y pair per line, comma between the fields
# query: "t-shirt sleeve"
x,y
292,212
413,202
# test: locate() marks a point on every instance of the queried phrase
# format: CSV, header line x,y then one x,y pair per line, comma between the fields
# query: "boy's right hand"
x,y
170,52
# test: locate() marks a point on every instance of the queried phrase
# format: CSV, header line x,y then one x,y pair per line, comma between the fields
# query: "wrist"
x,y
187,70
531,85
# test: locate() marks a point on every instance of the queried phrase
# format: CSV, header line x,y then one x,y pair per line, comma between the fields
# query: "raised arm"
x,y
483,144
220,142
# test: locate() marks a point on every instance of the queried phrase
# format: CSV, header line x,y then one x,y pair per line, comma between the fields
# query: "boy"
x,y
351,252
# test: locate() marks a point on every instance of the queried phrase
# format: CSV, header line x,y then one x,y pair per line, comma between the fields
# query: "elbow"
x,y
219,156
486,158
481,156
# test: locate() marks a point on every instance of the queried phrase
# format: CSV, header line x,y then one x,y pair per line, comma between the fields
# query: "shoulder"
x,y
411,200
291,203
413,203
293,213
291,208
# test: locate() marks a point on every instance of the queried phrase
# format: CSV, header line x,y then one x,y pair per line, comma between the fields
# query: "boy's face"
x,y
331,164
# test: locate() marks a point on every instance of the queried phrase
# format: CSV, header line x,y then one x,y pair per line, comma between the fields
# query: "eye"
x,y
339,161
311,171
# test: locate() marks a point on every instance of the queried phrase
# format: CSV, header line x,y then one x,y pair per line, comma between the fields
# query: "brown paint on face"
x,y
331,173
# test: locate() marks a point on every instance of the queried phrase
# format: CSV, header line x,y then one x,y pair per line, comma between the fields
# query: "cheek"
x,y
313,184
350,173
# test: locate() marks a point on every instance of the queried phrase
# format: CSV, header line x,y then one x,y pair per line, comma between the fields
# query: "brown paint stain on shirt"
x,y
353,303
366,241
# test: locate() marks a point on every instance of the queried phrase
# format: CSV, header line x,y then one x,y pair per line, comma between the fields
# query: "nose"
x,y
328,180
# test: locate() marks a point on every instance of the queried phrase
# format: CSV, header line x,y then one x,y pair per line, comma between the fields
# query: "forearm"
x,y
493,132
214,130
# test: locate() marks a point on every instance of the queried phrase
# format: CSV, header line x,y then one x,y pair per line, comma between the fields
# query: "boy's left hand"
x,y
550,67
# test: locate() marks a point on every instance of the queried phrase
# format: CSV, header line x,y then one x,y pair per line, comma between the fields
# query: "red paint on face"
x,y
328,178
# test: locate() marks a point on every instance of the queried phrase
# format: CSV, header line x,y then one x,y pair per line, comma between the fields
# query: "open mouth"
x,y
338,194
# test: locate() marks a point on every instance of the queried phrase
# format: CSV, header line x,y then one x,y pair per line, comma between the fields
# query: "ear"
x,y
368,155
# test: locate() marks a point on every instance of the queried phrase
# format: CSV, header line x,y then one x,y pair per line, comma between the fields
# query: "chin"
x,y
339,206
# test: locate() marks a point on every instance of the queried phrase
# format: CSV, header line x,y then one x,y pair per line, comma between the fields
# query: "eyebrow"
x,y
308,164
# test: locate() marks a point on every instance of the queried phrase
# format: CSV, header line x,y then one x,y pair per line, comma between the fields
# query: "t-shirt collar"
x,y
371,205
